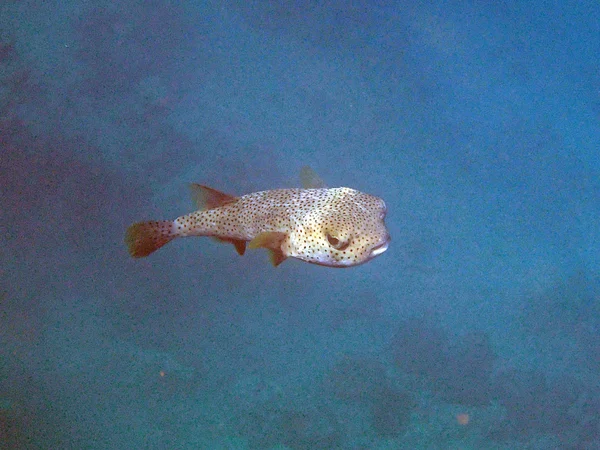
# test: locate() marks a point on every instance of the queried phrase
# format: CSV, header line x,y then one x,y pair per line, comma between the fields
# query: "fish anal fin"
x,y
209,198
240,246
310,179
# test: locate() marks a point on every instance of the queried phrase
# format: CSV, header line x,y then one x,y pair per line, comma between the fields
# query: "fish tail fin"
x,y
144,238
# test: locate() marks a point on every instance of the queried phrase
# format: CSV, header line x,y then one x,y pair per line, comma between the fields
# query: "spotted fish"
x,y
335,227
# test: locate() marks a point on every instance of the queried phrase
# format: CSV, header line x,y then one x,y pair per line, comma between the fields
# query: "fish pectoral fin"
x,y
270,240
310,179
208,198
240,246
277,257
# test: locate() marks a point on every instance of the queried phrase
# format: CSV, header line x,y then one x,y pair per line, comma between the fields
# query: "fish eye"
x,y
336,243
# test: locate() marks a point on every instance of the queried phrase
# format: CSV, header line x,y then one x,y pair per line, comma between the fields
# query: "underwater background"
x,y
478,123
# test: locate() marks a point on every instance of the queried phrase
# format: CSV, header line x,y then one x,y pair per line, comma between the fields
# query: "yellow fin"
x,y
310,179
277,257
208,198
270,240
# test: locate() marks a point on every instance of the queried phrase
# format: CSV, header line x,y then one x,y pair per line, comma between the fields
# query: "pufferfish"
x,y
334,227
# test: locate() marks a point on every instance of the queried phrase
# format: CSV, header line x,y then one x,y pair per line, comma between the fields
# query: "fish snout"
x,y
381,247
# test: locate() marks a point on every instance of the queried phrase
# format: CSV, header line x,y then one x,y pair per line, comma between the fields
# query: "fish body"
x,y
336,227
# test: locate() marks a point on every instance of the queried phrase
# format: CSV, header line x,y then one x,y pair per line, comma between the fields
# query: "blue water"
x,y
478,123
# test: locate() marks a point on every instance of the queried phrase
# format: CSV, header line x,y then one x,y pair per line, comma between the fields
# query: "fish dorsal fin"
x,y
310,179
270,240
208,198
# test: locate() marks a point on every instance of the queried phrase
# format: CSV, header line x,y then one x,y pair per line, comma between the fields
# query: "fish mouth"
x,y
380,248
